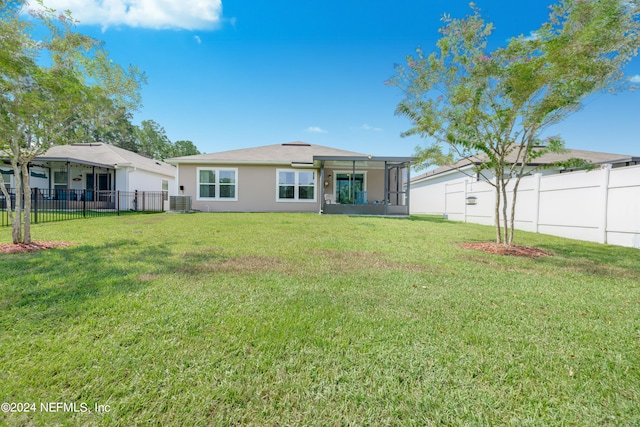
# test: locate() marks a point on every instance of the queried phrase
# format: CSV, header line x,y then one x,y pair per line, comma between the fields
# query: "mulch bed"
x,y
501,249
10,248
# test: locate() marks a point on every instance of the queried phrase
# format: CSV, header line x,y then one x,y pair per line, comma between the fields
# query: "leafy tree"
x,y
112,126
494,105
152,140
42,105
118,131
184,148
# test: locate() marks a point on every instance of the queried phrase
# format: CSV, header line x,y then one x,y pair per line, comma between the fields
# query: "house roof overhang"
x,y
365,159
466,164
40,159
316,163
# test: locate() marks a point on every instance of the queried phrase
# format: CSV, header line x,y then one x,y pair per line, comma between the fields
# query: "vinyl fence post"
x,y
464,198
606,169
536,212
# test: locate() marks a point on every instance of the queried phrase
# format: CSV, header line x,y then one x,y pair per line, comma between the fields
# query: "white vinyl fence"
x,y
600,206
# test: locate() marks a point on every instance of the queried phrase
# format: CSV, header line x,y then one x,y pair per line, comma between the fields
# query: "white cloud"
x,y
156,14
367,127
198,39
532,36
635,79
316,129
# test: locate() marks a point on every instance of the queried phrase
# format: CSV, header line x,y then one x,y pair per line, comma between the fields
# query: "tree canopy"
x,y
152,141
54,82
469,101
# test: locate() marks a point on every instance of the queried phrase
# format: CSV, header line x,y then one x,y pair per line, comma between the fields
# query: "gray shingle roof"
x,y
290,152
594,157
106,154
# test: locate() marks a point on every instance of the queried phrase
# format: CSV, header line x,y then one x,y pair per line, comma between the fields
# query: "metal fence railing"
x,y
61,205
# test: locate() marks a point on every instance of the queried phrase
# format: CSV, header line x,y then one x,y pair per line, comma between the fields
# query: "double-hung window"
x,y
60,180
165,190
296,186
217,184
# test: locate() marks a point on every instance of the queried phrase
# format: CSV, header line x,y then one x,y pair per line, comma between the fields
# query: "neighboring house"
x,y
93,171
295,177
602,205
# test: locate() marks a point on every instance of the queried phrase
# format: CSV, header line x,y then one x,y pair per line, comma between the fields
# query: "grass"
x,y
300,319
52,215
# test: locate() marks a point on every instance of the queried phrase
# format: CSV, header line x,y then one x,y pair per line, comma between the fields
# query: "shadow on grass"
x,y
597,259
435,219
58,282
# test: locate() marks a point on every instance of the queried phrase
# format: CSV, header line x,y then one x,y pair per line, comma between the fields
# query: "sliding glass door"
x,y
348,187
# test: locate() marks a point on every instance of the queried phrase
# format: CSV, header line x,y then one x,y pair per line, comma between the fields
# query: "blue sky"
x,y
236,73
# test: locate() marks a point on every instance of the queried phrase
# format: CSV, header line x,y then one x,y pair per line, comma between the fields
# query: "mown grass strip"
x,y
297,319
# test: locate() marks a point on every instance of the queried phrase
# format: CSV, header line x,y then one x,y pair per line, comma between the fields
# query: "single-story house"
x,y
599,205
427,189
94,171
295,177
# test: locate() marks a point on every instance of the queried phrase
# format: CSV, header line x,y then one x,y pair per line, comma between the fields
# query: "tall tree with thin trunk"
x,y
40,104
494,105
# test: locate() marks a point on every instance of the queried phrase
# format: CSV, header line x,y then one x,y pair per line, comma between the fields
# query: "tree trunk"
x,y
497,214
505,218
16,223
26,190
513,211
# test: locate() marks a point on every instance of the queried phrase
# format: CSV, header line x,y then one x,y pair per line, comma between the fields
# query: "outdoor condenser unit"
x,y
180,203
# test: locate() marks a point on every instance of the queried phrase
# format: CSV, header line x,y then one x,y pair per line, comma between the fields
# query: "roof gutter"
x,y
365,159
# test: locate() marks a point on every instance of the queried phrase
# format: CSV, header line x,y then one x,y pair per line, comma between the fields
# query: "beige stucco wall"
x,y
256,191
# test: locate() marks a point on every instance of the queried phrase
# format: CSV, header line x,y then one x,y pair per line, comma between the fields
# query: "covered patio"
x,y
365,185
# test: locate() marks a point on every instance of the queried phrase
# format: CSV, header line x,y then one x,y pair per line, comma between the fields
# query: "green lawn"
x,y
301,319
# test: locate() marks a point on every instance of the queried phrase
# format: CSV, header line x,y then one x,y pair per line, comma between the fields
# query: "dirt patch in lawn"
x,y
10,248
240,264
501,249
348,261
214,260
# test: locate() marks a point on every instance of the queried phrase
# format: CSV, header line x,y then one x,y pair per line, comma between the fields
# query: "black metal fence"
x,y
61,205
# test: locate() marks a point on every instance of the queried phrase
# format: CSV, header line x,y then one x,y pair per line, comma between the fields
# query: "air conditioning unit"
x,y
180,204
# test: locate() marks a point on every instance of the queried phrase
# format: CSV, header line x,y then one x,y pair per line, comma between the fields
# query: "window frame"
x,y
349,172
165,191
296,186
217,184
60,185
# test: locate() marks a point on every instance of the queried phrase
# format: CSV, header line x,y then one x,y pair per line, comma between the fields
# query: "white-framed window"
x,y
165,190
60,180
218,184
295,185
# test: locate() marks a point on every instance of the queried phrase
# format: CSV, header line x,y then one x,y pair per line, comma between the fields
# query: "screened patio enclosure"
x,y
75,181
364,185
